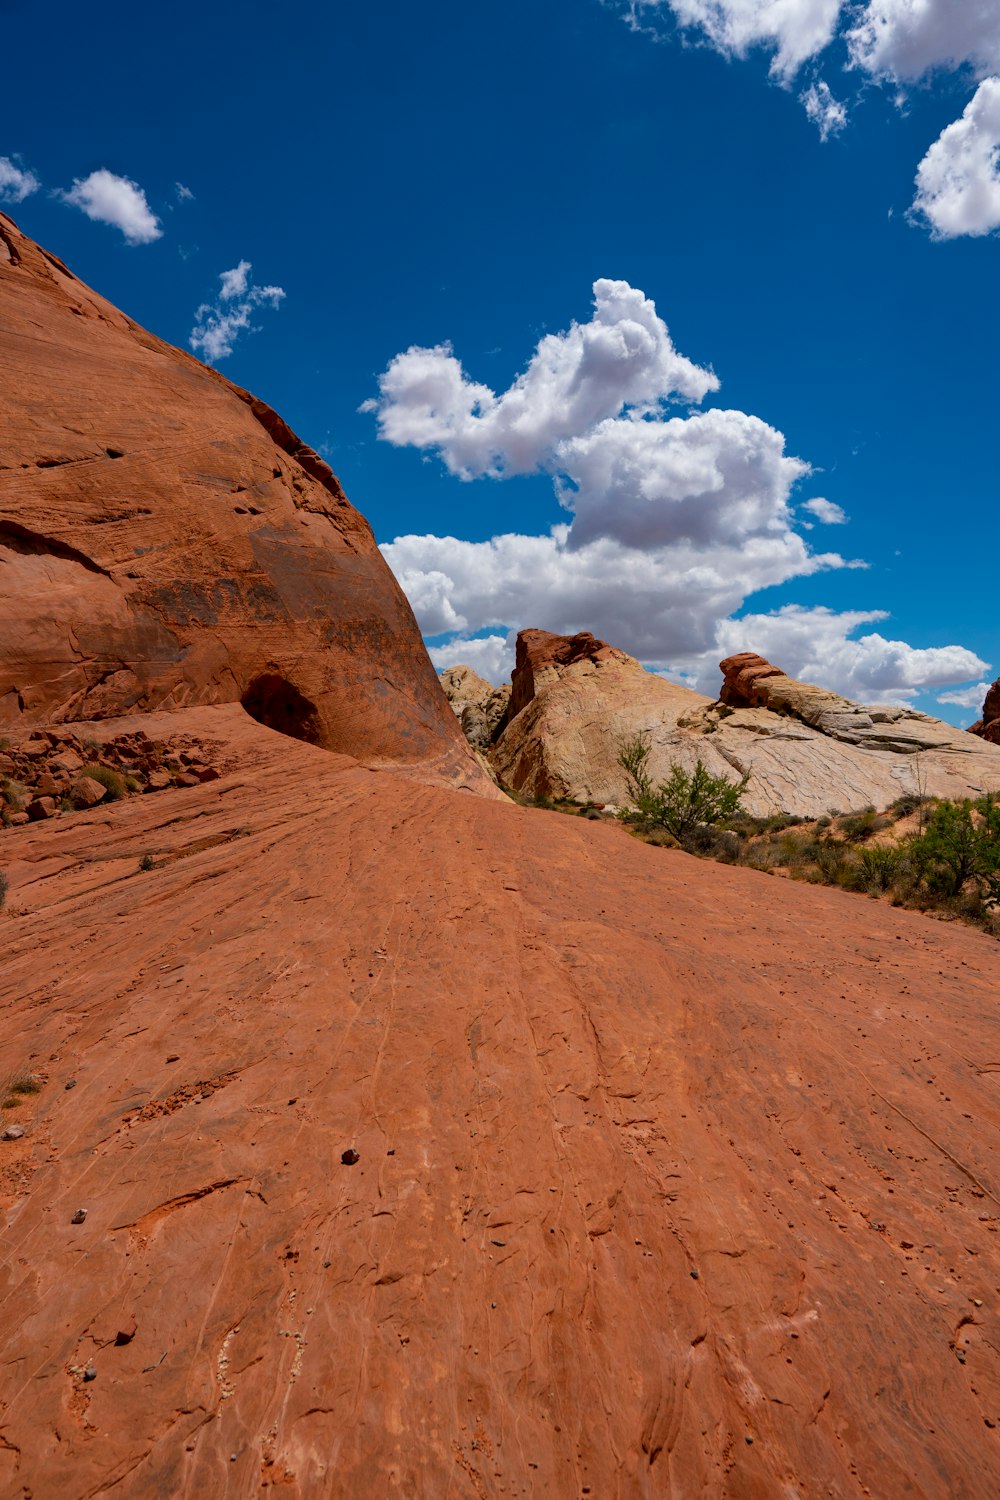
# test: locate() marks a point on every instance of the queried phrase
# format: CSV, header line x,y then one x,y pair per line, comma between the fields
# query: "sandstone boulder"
x,y
166,539
86,791
807,751
486,704
988,727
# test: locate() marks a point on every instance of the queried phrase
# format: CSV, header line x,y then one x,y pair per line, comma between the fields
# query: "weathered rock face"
x,y
480,707
165,539
807,751
988,727
579,1168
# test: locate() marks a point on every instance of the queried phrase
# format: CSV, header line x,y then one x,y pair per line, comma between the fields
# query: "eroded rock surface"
x,y
423,1145
988,727
480,707
166,539
807,751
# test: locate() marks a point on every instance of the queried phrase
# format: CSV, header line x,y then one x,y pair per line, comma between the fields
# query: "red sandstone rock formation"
x,y
539,655
672,1179
166,539
364,1139
988,727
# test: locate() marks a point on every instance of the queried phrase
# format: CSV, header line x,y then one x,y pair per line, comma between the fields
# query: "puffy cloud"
x,y
623,356
969,697
116,201
662,605
901,40
958,181
827,113
675,520
794,30
219,324
704,481
492,656
16,182
818,645
825,511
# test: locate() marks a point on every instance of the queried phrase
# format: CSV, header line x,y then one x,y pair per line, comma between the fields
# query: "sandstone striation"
x,y
579,1168
807,751
988,727
167,540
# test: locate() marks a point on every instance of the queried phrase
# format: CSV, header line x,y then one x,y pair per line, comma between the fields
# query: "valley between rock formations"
x,y
390,1139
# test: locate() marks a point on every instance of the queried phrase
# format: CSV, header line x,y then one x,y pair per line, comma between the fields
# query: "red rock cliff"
x,y
167,540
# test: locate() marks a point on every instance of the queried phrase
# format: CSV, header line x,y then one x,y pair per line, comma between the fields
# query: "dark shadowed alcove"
x,y
272,700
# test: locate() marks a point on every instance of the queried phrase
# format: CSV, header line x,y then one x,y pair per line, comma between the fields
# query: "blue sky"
x,y
382,179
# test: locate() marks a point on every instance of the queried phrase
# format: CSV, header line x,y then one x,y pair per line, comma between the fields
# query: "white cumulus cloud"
x,y
828,114
218,324
821,645
958,181
902,40
16,182
492,656
826,511
117,201
675,519
623,356
969,697
794,30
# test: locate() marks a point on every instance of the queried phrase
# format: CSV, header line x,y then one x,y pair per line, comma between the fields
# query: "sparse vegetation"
x,y
147,862
948,865
112,781
16,1087
4,887
684,804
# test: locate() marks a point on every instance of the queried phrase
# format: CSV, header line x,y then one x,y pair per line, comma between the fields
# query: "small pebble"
x,y
13,1133
90,1373
694,1275
71,1084
349,1157
79,1216
174,1057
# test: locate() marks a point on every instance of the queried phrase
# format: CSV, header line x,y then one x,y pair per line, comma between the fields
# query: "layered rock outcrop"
x,y
807,751
480,707
166,539
988,727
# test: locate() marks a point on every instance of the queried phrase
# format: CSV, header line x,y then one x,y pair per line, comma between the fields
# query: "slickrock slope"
x,y
988,727
575,699
166,540
671,1179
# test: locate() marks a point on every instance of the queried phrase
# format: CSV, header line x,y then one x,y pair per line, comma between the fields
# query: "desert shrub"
x,y
861,825
836,863
147,862
4,887
906,804
16,1086
14,793
686,801
879,866
960,843
721,844
113,781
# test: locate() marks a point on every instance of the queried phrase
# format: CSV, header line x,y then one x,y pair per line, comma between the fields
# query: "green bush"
x,y
686,801
879,866
960,845
113,781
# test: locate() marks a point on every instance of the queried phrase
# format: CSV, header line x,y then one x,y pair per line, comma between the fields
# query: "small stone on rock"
x,y
90,1373
13,1133
79,1216
349,1157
